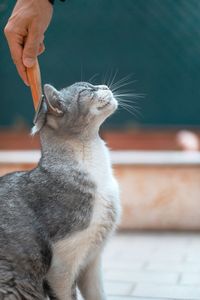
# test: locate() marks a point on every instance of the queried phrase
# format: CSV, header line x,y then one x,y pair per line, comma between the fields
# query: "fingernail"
x,y
29,62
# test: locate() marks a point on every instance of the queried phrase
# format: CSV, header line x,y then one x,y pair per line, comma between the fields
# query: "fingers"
x,y
24,53
41,48
21,69
15,44
24,32
31,47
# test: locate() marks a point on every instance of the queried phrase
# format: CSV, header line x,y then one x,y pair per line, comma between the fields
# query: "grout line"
x,y
179,279
133,287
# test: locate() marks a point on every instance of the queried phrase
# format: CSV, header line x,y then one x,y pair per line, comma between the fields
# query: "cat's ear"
x,y
52,104
53,101
40,120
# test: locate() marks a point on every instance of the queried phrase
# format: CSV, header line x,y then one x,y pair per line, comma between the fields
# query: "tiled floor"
x,y
153,266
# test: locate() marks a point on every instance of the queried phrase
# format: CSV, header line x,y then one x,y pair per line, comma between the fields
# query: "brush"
x,y
34,79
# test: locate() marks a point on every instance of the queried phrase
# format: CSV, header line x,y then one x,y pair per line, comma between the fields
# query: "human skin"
x,y
25,30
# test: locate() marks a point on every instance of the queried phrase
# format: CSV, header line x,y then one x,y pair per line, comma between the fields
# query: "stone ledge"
x,y
159,190
117,157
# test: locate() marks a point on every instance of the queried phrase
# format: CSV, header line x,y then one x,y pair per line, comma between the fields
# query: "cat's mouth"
x,y
103,106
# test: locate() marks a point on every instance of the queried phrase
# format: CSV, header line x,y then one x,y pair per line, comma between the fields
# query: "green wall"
x,y
158,41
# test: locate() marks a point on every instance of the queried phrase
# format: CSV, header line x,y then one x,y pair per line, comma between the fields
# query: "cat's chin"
x,y
110,106
113,105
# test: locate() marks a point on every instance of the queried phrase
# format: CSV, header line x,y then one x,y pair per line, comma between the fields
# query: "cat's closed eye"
x,y
87,93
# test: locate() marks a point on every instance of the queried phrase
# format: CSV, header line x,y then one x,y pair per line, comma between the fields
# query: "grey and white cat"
x,y
56,219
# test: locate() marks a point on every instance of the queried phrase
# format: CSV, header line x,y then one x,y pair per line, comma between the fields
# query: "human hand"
x,y
25,32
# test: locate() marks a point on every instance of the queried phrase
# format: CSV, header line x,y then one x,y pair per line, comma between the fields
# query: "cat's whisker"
x,y
93,77
132,110
117,87
125,96
129,111
130,90
123,80
105,78
128,95
123,91
112,80
81,72
128,104
131,102
109,78
125,100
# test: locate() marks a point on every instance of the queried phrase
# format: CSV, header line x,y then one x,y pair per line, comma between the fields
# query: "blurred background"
x,y
156,42
153,46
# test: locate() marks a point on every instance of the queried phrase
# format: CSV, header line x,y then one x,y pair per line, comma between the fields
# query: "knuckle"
x,y
8,30
31,49
29,53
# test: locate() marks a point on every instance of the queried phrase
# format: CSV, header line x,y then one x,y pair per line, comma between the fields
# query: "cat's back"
x,y
25,251
17,219
11,180
12,187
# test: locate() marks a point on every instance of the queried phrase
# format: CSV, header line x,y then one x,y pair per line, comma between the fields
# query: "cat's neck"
x,y
60,150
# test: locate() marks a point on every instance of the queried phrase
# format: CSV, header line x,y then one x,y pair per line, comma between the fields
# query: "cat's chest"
x,y
106,207
78,247
97,165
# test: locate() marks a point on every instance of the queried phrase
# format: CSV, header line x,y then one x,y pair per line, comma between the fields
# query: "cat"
x,y
56,218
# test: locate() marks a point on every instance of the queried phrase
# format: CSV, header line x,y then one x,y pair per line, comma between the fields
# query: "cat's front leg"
x,y
62,284
90,281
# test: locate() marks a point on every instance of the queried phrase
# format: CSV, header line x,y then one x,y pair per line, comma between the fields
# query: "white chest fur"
x,y
97,164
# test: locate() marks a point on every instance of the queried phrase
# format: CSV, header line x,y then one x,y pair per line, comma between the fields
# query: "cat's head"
x,y
76,109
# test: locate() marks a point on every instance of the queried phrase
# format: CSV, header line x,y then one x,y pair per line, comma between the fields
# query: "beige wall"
x,y
153,196
160,197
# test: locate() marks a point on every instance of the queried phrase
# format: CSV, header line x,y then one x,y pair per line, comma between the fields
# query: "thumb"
x,y
31,48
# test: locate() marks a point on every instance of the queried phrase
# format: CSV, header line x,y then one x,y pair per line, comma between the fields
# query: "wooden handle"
x,y
34,79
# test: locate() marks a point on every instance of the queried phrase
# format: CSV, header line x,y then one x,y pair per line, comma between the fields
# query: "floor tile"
x,y
167,291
